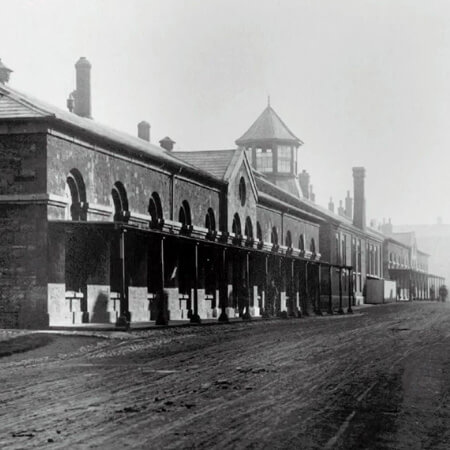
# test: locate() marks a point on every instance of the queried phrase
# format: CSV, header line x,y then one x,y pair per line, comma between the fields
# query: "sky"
x,y
360,82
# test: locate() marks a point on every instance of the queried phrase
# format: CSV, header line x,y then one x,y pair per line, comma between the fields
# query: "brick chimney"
x,y
303,179
144,130
331,205
4,73
387,228
312,196
167,143
82,94
348,206
341,210
359,215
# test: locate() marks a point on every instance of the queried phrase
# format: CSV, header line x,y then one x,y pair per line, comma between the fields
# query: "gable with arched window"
x,y
77,191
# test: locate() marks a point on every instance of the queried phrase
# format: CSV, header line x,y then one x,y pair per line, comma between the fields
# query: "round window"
x,y
242,191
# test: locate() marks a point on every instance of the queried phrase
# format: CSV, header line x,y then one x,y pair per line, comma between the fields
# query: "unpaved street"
x,y
378,379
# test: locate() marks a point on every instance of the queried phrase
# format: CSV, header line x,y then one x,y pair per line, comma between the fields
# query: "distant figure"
x,y
443,293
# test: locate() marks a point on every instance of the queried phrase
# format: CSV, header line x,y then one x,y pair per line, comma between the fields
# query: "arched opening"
x,y
249,228
274,236
312,246
288,240
155,210
77,189
301,243
210,221
120,200
184,214
259,234
236,227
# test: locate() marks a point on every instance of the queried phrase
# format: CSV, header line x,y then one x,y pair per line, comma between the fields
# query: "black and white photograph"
x,y
225,224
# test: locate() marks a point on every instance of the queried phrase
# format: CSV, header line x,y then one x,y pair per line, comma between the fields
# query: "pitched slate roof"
x,y
17,105
268,127
216,162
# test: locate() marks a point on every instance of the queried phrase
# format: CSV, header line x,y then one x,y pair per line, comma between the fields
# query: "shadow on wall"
x,y
100,313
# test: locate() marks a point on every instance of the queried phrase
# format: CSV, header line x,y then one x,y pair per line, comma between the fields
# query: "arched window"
x,y
210,220
236,228
77,190
184,215
274,236
288,240
155,210
312,246
301,243
120,199
248,228
242,191
259,234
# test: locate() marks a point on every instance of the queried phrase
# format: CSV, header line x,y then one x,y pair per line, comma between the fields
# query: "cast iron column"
x,y
224,287
163,315
330,292
195,318
341,311
319,281
350,291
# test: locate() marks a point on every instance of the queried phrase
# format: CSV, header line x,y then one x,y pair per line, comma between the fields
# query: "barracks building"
x,y
98,226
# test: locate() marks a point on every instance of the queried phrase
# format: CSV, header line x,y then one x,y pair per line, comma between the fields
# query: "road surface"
x,y
377,379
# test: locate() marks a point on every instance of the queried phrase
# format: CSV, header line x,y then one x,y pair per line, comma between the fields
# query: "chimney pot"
x,y
303,179
4,73
167,143
82,94
348,206
144,130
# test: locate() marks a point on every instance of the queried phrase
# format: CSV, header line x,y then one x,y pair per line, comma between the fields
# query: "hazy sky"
x,y
361,82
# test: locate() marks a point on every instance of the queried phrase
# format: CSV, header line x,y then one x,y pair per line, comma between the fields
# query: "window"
x,y
337,248
274,236
288,240
120,200
259,234
284,158
242,191
301,243
155,209
77,190
210,220
312,246
236,228
184,215
248,228
264,160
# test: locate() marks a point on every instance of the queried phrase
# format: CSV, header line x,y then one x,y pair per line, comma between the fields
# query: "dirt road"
x,y
378,379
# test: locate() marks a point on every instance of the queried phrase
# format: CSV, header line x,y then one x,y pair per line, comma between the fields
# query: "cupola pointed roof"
x,y
268,127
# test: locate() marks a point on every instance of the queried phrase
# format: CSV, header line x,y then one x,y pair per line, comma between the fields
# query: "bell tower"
x,y
272,150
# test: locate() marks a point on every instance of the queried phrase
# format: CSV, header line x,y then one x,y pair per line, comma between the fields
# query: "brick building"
x,y
97,225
